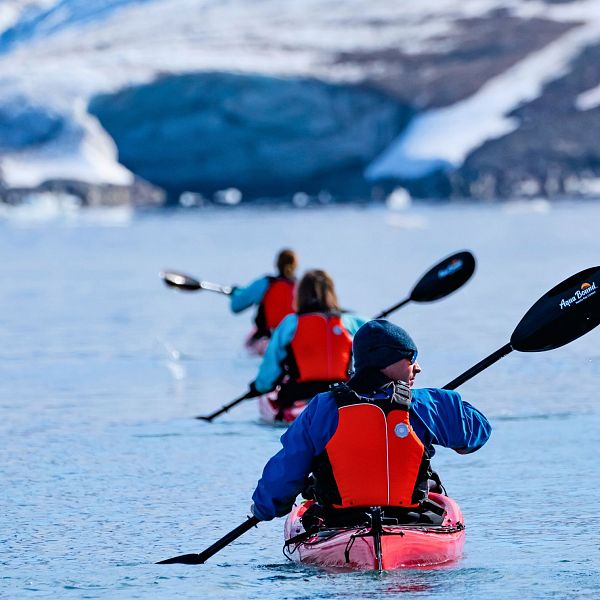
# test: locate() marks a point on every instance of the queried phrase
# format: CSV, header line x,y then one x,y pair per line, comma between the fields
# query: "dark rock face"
x,y
139,193
478,50
263,135
554,150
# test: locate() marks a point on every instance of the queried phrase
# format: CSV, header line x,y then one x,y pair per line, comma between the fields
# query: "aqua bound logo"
x,y
585,291
454,266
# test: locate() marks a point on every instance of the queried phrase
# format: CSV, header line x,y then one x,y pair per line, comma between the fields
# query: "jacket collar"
x,y
369,380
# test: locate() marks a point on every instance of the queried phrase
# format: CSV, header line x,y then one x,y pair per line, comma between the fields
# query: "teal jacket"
x,y
243,297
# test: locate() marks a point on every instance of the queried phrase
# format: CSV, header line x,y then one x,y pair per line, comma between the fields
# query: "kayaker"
x,y
369,442
273,294
311,348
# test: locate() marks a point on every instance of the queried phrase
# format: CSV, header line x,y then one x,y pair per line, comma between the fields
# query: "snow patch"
x,y
84,153
230,196
589,99
398,200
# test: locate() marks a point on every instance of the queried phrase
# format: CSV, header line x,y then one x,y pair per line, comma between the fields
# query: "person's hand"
x,y
255,513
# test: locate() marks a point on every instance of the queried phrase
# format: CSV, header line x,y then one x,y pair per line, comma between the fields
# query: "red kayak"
x,y
387,547
271,412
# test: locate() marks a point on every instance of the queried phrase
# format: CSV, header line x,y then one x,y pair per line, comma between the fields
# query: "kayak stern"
x,y
403,546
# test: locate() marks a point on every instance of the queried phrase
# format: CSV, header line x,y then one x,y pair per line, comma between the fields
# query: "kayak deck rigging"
x,y
379,544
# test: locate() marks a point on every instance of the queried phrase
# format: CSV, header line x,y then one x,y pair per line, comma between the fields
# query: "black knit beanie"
x,y
379,343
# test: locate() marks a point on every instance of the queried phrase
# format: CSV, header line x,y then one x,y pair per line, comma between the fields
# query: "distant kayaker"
x,y
312,348
273,294
369,442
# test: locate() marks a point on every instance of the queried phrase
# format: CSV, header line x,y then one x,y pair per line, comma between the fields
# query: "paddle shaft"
x,y
216,287
199,559
442,279
390,310
228,538
226,408
480,366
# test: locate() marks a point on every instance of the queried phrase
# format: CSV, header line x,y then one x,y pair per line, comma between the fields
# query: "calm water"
x,y
102,368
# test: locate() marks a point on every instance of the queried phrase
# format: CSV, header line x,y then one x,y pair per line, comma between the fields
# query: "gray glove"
x,y
402,393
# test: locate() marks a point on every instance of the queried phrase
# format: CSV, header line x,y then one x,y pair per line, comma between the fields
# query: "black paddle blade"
x,y
568,311
184,559
446,277
180,281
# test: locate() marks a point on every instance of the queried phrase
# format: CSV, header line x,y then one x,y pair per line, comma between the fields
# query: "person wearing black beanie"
x,y
368,442
383,352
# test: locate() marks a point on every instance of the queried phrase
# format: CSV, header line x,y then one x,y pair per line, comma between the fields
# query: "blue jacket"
x,y
438,417
271,368
244,297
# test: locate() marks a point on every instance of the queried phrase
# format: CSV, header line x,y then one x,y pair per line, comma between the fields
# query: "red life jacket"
x,y
321,348
278,301
376,458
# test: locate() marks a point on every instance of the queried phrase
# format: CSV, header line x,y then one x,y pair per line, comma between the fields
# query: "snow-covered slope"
x,y
465,66
449,134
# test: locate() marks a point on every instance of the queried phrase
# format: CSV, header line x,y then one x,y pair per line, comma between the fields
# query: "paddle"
x,y
568,311
224,409
442,279
189,284
199,559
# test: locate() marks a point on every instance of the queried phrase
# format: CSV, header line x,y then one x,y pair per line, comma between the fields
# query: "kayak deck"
x,y
402,546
